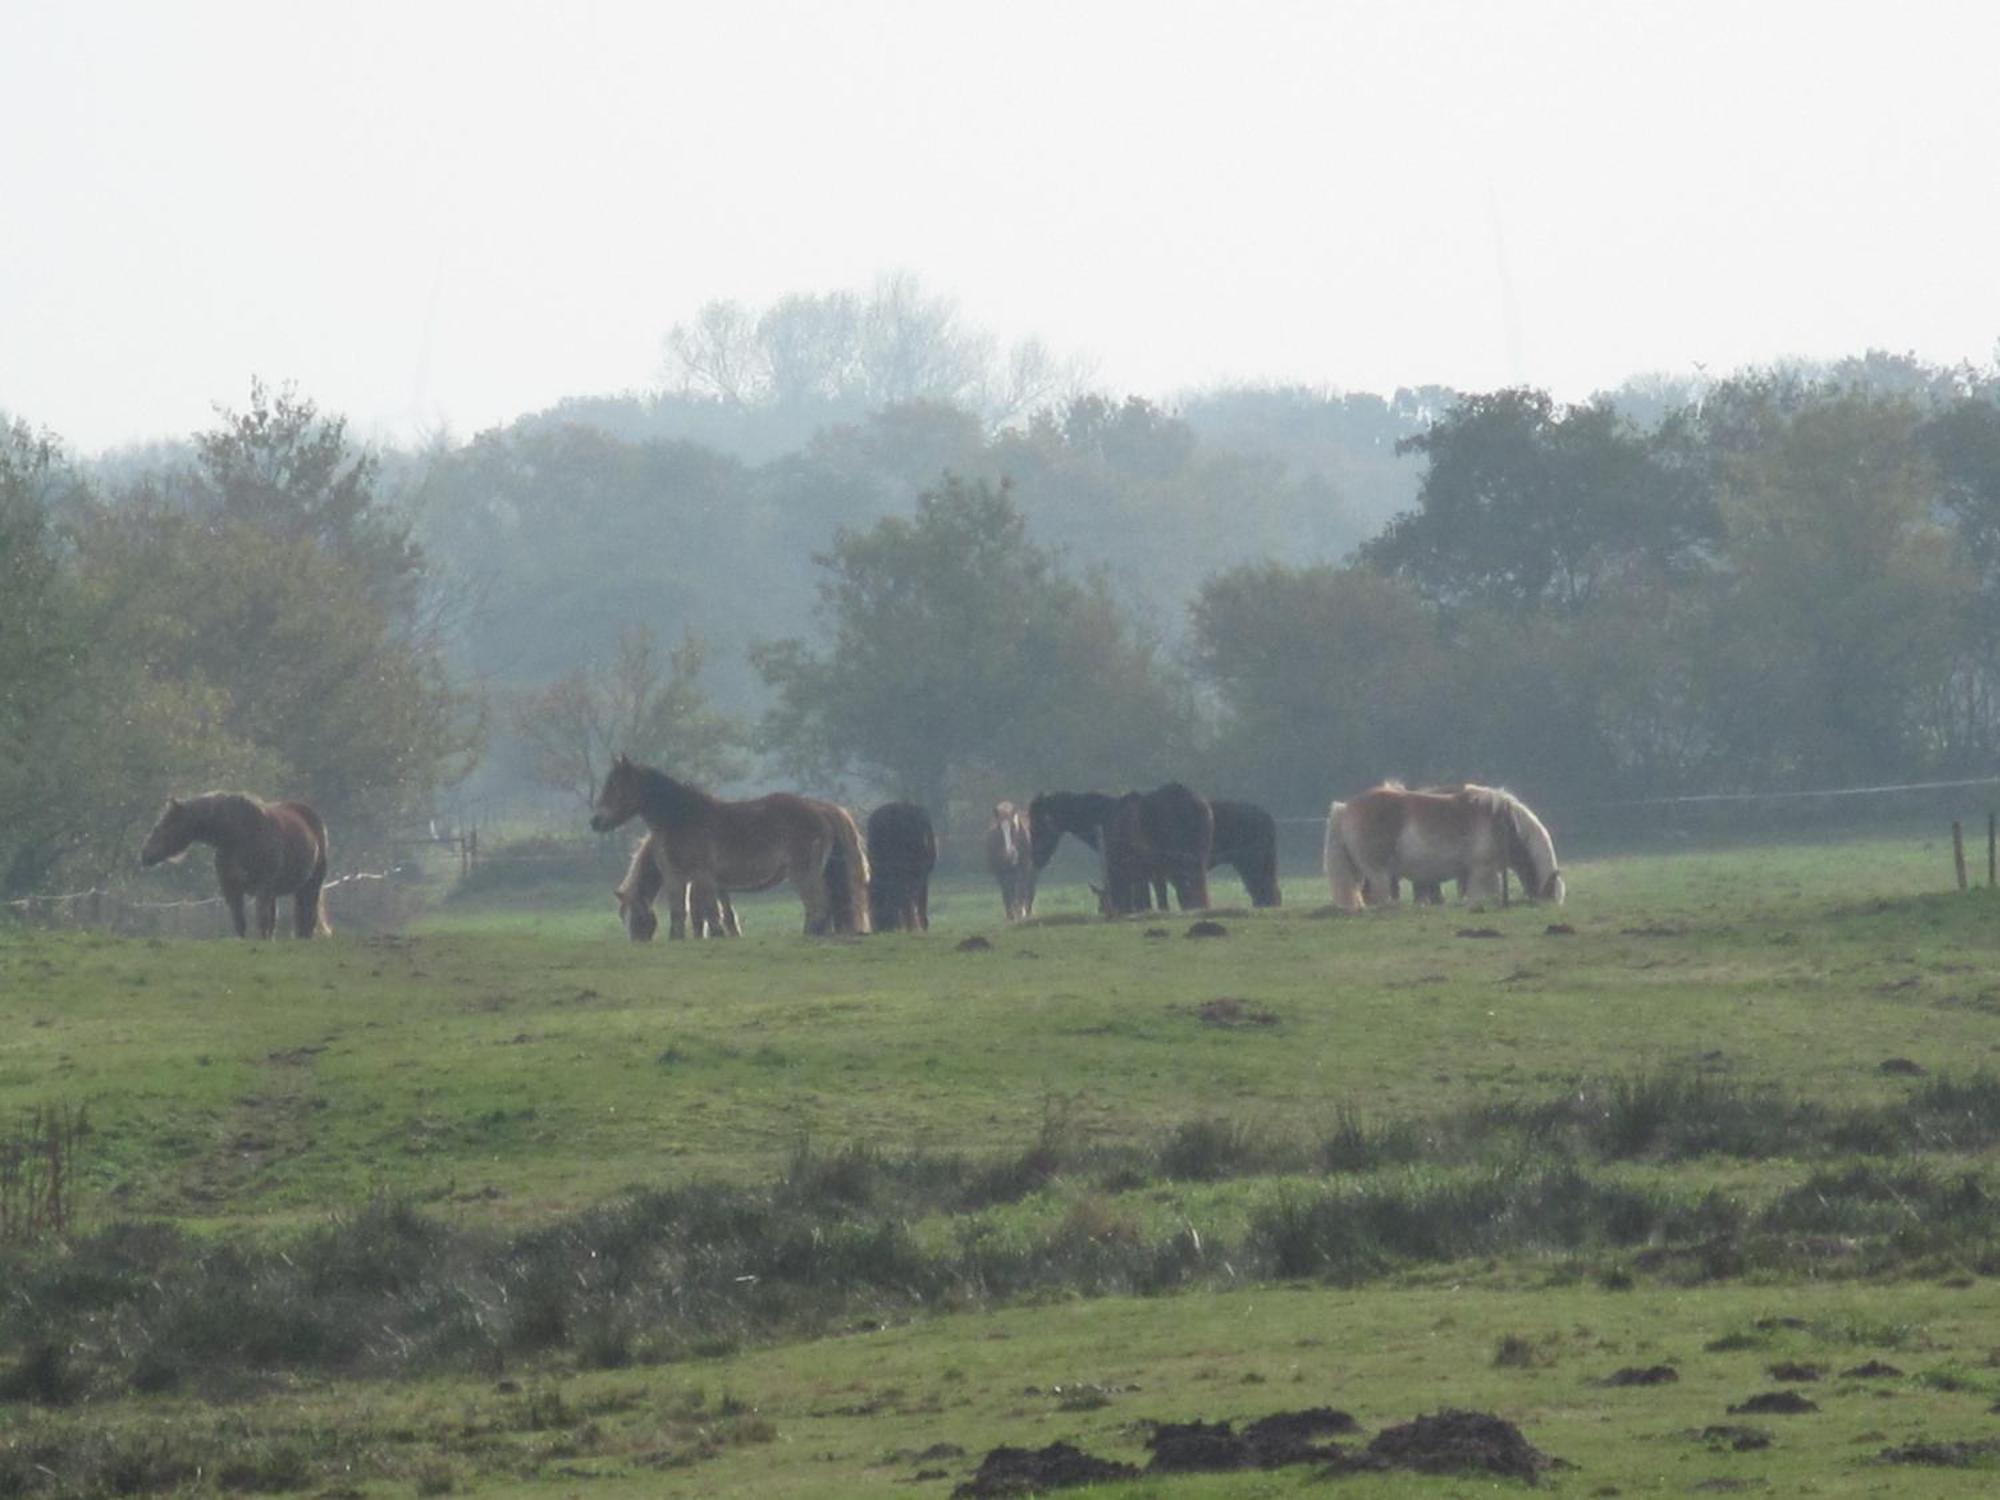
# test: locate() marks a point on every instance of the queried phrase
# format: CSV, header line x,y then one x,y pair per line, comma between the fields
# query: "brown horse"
x,y
1010,855
262,849
902,852
1470,835
637,894
710,845
1164,835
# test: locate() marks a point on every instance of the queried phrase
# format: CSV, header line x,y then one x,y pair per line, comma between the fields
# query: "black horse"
x,y
1157,838
1246,838
902,852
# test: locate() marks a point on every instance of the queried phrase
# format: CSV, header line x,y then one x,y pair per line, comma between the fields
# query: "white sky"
x,y
451,213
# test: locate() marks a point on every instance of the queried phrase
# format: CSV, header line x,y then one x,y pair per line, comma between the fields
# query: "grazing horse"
x,y
1246,837
636,895
847,871
1080,814
1164,835
709,845
1010,855
902,852
262,849
1470,835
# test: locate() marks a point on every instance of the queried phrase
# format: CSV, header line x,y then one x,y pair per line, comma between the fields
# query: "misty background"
x,y
405,415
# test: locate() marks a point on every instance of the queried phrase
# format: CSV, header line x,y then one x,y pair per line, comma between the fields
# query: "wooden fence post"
x,y
1958,851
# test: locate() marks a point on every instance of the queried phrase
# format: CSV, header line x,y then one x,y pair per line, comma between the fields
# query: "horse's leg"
x,y
233,896
305,909
924,903
267,915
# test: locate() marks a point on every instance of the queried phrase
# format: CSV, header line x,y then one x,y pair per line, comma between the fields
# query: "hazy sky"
x,y
450,213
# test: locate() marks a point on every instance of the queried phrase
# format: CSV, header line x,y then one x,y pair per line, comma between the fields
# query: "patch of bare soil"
x,y
1477,932
1875,1369
1643,1375
974,944
1229,1011
1778,1403
266,1128
1456,1442
1736,1438
1272,1442
1033,1471
1207,929
1958,1455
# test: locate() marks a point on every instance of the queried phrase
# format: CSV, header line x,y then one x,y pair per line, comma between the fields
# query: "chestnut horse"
x,y
902,852
1164,835
1010,855
262,849
1470,835
637,894
709,845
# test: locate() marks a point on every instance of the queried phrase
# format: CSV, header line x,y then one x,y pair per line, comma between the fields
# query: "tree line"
x,y
1786,579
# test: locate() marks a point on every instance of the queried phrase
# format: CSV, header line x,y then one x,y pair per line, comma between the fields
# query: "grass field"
x,y
506,1202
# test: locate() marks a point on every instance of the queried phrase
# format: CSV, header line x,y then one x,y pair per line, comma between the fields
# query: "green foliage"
x,y
573,727
957,645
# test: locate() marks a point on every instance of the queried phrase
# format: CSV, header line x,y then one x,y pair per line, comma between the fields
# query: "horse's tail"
x,y
847,874
1343,875
322,924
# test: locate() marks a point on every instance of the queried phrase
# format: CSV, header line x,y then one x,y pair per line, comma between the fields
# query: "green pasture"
x,y
512,1062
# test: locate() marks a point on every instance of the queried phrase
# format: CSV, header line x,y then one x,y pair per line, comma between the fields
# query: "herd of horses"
x,y
699,849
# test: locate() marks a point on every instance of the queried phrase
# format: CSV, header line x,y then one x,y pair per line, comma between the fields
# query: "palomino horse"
x,y
1246,838
902,852
1010,855
1469,835
848,875
262,849
637,894
709,845
1164,835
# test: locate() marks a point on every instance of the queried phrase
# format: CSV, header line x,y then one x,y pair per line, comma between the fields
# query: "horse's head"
x,y
619,800
170,836
640,920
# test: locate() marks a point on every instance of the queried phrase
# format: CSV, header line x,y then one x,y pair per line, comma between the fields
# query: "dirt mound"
x,y
1156,932
1782,1403
1901,1067
1271,1442
1959,1455
1207,929
1228,1010
1458,1442
1643,1375
1729,1435
1477,932
974,944
1875,1369
1558,929
1031,1471
1792,1370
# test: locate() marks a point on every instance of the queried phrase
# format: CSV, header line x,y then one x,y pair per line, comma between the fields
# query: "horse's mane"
x,y
1529,830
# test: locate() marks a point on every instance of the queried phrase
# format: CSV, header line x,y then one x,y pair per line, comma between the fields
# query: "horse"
x,y
1471,835
709,845
902,852
848,875
644,879
1165,835
262,849
1246,838
1010,855
1082,815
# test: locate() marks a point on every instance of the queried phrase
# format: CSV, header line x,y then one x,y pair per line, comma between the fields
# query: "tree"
x,y
959,649
573,727
1842,597
1526,505
282,468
